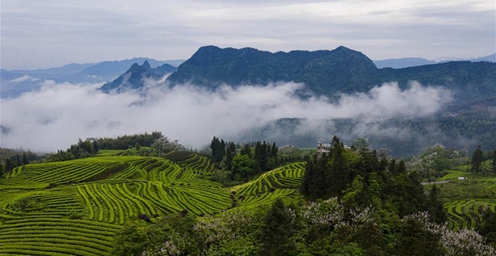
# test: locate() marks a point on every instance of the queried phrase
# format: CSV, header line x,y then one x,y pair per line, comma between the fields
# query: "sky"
x,y
50,33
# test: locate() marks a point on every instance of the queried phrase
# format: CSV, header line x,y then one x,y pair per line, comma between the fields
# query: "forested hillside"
x,y
249,199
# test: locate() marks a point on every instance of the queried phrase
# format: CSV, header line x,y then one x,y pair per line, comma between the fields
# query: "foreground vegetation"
x,y
133,202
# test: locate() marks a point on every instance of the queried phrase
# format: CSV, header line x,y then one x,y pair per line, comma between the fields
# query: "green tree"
x,y
25,159
437,213
416,240
230,154
339,171
477,158
242,166
9,165
261,157
487,227
218,150
276,231
246,150
137,147
494,161
131,240
311,183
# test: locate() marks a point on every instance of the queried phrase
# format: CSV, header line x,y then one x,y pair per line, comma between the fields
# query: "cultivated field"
x,y
76,207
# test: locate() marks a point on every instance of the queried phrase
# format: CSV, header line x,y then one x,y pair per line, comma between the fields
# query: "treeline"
x,y
128,141
360,178
478,157
14,159
90,146
240,162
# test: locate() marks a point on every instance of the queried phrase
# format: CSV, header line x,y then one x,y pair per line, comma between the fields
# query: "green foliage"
x,y
242,166
414,239
487,227
477,158
80,205
276,231
131,240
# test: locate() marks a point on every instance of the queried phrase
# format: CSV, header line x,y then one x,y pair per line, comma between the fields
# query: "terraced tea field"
x,y
76,207
465,200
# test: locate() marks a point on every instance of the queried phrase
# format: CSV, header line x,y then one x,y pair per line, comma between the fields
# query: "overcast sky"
x,y
49,33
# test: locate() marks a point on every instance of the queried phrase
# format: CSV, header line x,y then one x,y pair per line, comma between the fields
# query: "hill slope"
x,y
76,207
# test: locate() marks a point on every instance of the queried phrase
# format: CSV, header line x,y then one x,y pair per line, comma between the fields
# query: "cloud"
x,y
24,79
59,114
48,33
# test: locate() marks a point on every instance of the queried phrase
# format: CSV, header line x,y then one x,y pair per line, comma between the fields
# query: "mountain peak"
x,y
146,65
134,66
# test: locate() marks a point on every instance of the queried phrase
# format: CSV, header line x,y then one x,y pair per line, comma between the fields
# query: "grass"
x,y
466,199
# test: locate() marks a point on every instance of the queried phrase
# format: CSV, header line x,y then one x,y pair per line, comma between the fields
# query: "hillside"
x,y
76,207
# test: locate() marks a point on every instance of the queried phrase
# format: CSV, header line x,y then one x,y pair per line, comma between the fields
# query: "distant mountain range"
x,y
468,120
15,82
328,73
413,62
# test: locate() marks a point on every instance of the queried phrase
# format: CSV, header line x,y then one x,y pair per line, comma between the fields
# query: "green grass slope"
x,y
76,207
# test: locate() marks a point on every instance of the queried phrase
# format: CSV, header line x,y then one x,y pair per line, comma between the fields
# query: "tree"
x,y
477,158
246,150
276,231
242,166
274,151
339,171
9,165
312,185
217,149
160,145
18,160
137,147
261,157
416,240
494,161
487,227
230,154
437,213
360,144
25,159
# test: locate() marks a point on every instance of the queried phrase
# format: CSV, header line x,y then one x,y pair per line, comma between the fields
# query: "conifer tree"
x,y
25,159
477,158
339,171
494,161
9,165
276,231
435,206
230,154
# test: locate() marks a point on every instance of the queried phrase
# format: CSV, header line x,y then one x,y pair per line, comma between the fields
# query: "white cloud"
x,y
59,114
24,79
48,33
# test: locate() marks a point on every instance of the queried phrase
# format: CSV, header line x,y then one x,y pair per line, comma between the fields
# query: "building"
x,y
323,148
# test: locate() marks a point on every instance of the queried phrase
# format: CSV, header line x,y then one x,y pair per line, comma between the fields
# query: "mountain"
x,y
16,82
402,62
327,73
135,77
414,62
109,70
323,71
489,58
